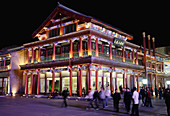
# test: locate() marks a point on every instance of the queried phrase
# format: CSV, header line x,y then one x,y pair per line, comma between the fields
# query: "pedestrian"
x,y
160,93
84,92
135,97
127,99
107,94
102,96
167,101
156,92
142,93
120,88
65,94
96,98
146,97
90,99
116,98
149,98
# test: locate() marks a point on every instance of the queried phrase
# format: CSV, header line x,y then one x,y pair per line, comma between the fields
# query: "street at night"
x,y
21,106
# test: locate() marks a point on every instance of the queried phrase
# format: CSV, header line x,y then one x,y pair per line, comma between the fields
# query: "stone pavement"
x,y
22,106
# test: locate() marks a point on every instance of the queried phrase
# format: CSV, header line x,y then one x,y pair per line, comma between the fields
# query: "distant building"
x,y
77,51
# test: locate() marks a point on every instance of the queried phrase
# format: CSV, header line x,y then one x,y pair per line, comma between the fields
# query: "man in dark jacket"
x,y
167,101
65,94
96,98
116,98
127,99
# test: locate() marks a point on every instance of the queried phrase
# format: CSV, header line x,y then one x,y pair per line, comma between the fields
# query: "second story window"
x,y
69,28
100,47
54,32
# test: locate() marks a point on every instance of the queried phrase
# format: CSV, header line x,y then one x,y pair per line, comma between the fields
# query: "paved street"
x,y
21,106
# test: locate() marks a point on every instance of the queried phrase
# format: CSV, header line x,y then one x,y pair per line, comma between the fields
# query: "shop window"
x,y
113,51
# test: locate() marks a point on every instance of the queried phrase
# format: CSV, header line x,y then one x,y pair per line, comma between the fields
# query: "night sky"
x,y
20,19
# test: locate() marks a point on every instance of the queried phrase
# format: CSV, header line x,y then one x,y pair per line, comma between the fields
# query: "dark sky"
x,y
20,19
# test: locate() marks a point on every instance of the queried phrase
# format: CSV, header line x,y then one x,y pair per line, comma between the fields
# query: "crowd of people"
x,y
103,95
129,97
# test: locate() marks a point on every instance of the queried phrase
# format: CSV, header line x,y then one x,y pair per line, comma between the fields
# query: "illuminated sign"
x,y
118,42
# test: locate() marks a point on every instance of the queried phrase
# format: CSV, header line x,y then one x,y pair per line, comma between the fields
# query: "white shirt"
x,y
135,97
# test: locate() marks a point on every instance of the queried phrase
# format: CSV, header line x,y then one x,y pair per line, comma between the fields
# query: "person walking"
x,y
116,98
135,97
127,99
160,93
167,101
107,94
102,96
90,99
96,98
65,94
142,93
149,98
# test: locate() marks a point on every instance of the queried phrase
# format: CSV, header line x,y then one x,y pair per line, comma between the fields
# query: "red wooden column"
x,y
97,78
38,82
123,54
103,79
116,81
45,83
70,80
53,79
111,80
71,49
133,58
149,47
32,60
60,83
53,57
89,46
110,50
80,83
89,71
81,48
87,80
153,44
124,79
145,65
31,88
39,54
133,78
2,85
138,81
136,57
97,48
27,55
26,83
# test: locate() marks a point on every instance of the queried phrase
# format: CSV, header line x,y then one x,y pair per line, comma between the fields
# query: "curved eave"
x,y
77,34
83,60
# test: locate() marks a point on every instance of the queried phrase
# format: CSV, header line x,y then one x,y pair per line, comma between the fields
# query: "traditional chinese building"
x,y
79,52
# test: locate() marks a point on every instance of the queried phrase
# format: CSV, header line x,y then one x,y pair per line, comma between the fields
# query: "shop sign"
x,y
118,42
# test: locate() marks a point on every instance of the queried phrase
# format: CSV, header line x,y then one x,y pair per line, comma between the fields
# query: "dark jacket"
x,y
127,97
167,99
96,95
65,93
116,97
